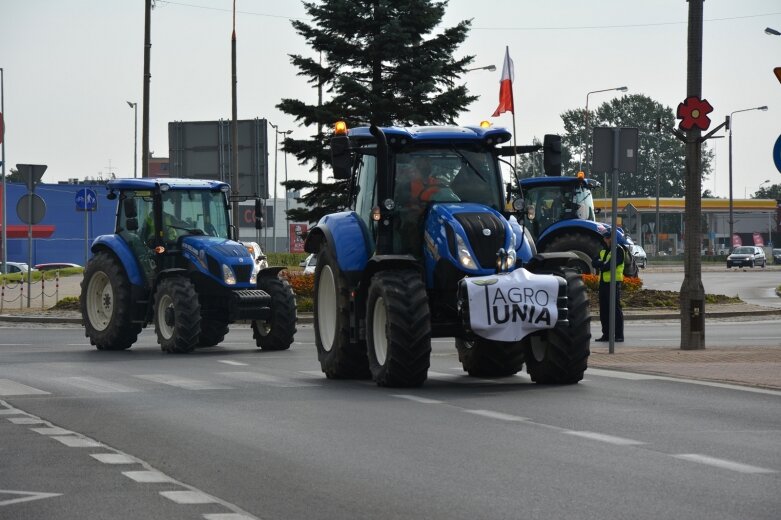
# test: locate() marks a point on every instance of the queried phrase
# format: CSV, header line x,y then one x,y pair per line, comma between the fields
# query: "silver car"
x,y
746,256
641,259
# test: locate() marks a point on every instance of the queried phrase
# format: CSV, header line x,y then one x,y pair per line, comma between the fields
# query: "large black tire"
x,y
560,355
485,358
589,245
106,306
339,358
277,332
177,315
212,332
398,329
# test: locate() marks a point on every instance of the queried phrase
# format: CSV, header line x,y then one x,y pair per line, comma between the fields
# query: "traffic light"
x,y
551,155
258,214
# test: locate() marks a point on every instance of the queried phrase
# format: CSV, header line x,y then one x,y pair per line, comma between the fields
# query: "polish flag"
x,y
506,86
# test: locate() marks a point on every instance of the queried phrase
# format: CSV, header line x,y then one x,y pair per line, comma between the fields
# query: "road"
x,y
755,286
251,434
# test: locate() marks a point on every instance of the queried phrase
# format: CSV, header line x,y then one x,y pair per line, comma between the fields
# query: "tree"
x,y
13,175
382,65
771,192
640,112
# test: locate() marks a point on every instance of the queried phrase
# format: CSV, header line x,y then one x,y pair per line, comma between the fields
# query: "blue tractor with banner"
x,y
560,217
173,261
430,246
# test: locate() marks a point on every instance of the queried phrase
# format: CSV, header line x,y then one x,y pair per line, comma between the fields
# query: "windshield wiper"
x,y
468,162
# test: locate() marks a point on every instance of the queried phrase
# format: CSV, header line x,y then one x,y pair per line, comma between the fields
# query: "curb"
x,y
302,319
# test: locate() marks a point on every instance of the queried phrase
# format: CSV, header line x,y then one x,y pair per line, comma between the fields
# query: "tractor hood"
x,y
213,255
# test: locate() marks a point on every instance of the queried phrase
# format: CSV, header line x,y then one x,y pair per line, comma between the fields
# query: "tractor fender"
x,y
346,236
122,250
271,272
571,226
550,262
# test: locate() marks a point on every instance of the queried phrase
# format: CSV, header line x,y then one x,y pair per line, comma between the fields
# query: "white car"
x,y
747,256
309,264
14,267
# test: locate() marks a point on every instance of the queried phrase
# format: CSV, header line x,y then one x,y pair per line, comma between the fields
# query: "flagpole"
x,y
515,139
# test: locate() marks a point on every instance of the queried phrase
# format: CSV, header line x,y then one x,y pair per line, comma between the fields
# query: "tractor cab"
x,y
552,199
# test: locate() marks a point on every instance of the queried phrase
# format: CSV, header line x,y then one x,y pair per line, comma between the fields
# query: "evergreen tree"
x,y
381,63
640,112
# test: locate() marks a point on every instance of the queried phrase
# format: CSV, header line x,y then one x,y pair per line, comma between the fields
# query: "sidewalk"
x,y
748,366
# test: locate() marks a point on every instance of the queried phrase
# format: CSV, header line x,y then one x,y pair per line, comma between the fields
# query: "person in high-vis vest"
x,y
602,263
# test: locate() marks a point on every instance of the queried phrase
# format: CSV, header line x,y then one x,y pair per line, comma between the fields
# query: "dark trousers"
x,y
604,310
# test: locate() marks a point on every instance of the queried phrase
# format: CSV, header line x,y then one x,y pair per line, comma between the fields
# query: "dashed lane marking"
x,y
228,516
113,458
148,477
256,377
497,415
73,441
181,382
94,384
26,420
722,463
601,437
417,399
10,411
52,430
27,496
8,387
188,497
234,363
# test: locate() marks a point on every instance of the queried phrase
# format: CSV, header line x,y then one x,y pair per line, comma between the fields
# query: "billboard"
x,y
202,150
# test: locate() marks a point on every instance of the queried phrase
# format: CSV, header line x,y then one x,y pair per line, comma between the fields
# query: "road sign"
x,y
86,200
23,208
31,173
777,153
602,161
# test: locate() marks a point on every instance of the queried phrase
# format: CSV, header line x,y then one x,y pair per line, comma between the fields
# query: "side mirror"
x,y
130,208
341,159
531,212
597,211
551,155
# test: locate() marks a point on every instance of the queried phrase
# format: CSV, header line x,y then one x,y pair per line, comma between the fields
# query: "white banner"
x,y
510,306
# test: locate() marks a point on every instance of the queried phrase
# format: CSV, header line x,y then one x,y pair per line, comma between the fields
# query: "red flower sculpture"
x,y
694,113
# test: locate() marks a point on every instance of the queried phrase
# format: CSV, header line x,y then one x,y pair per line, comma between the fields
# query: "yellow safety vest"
x,y
604,255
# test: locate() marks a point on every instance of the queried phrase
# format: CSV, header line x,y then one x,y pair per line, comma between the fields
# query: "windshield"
x,y
548,204
744,251
448,175
196,212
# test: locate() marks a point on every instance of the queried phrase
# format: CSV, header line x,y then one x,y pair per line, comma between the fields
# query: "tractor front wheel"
x,y
277,332
106,306
398,329
177,315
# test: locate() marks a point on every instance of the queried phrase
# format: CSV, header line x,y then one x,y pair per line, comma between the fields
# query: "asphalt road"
x,y
251,434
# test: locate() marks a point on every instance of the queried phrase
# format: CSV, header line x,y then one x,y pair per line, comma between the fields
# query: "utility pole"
x,y
692,294
147,80
234,130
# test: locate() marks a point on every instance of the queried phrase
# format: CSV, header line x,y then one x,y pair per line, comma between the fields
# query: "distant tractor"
x,y
560,216
172,261
428,248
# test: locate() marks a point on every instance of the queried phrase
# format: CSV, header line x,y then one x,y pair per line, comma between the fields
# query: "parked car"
x,y
777,255
641,259
15,267
309,264
54,266
746,256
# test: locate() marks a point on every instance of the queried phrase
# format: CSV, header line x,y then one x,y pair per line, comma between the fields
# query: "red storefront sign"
x,y
296,233
758,240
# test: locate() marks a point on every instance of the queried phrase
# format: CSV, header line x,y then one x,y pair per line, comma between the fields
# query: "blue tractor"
x,y
428,248
560,217
172,261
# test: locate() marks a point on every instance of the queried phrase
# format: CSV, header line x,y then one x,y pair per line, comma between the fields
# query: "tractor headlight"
x,y
464,256
227,275
253,278
508,262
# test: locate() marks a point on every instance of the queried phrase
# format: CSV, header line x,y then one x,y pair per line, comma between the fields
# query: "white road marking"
x,y
26,420
619,375
96,385
8,387
234,363
722,463
28,496
182,382
52,430
497,415
188,497
148,477
228,516
601,437
113,458
255,377
461,379
417,399
10,411
73,441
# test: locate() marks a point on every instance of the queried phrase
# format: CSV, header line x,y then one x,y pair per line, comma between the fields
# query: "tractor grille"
x,y
484,245
243,273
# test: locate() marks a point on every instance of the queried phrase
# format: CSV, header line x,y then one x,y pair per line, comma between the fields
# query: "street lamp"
x,y
489,68
731,220
134,106
580,163
277,132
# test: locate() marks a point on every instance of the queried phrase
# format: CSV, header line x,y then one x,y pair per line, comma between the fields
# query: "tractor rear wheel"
x,y
106,306
485,358
560,355
339,358
177,315
277,332
212,332
398,329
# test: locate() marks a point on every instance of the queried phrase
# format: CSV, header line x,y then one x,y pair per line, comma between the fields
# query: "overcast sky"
x,y
70,66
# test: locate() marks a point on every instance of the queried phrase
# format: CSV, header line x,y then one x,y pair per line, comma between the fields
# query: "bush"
x,y
286,259
631,284
302,284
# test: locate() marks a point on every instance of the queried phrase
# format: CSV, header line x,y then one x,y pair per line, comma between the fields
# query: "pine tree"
x,y
381,63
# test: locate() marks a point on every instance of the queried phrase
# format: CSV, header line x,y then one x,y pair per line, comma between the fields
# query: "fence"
x,y
12,292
